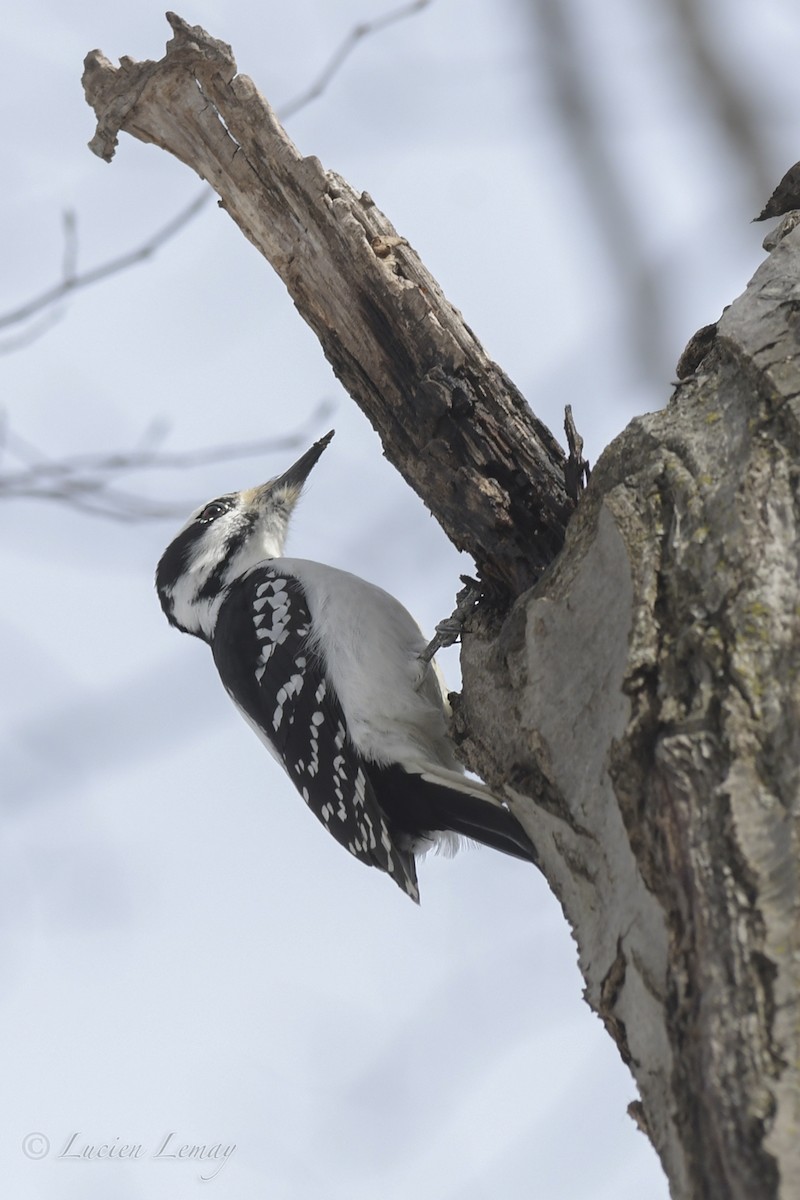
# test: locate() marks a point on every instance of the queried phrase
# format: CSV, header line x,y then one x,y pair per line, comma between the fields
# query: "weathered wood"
x,y
450,420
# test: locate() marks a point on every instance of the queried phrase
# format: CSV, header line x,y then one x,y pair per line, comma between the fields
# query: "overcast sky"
x,y
184,952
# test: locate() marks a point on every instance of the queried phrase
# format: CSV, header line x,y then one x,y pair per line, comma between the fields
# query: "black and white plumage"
x,y
326,668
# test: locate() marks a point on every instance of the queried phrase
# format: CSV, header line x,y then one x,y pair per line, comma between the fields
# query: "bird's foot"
x,y
450,630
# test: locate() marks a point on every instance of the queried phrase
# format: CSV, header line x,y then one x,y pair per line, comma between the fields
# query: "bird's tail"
x,y
431,798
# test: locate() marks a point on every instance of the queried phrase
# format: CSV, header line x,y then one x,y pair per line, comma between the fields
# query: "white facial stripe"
x,y
214,559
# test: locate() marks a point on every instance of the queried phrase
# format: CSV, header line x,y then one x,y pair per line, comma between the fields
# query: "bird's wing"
x,y
261,650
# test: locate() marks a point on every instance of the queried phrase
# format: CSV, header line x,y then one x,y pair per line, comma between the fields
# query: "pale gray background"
x,y
183,948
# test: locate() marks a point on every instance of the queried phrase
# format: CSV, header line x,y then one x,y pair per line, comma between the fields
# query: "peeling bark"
x,y
640,705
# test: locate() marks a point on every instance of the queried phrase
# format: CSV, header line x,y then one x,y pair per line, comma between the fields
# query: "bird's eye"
x,y
215,509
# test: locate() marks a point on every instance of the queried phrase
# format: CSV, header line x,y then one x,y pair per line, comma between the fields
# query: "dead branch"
x,y
451,422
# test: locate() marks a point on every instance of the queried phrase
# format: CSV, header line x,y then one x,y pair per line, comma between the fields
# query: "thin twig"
x,y
86,482
344,50
72,281
35,330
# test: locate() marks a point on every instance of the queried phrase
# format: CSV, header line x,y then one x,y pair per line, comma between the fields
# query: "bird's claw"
x,y
451,628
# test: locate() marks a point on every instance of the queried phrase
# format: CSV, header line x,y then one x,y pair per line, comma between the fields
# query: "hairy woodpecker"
x,y
326,668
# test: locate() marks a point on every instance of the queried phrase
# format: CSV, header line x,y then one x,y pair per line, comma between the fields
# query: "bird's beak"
x,y
298,473
290,483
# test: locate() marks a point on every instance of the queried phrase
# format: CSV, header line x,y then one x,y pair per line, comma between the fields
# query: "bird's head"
x,y
222,540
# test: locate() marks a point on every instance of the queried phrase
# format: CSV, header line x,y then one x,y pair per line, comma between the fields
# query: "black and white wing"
x,y
262,652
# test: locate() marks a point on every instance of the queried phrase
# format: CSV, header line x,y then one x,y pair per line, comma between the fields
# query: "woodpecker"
x,y
327,670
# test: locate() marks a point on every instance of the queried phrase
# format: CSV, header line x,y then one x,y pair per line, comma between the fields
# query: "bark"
x,y
639,704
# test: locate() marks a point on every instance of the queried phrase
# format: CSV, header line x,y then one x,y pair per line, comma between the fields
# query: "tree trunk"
x,y
640,705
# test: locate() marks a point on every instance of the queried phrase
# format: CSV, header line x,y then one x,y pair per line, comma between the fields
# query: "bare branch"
x,y
72,282
343,52
34,331
88,482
